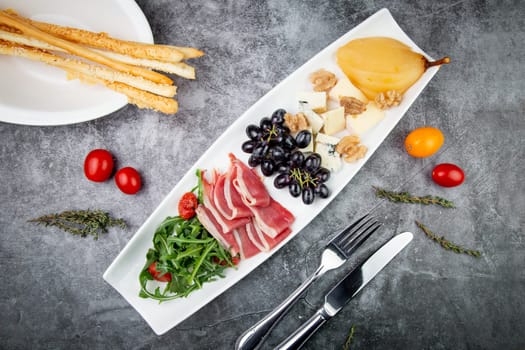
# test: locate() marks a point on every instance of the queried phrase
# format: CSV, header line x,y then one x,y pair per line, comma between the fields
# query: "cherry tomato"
x,y
424,142
157,275
235,261
187,205
98,165
448,175
128,180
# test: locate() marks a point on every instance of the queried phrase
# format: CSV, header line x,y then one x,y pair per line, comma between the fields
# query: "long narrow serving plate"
x,y
123,273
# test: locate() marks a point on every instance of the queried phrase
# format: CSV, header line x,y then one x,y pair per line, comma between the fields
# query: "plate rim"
x,y
19,116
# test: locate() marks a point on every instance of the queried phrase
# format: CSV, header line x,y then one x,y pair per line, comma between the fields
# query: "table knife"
x,y
345,290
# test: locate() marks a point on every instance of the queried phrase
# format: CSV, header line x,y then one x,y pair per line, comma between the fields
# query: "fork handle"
x,y
253,337
303,333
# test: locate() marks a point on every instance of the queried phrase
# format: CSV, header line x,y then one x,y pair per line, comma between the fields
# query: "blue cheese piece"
x,y
325,146
316,100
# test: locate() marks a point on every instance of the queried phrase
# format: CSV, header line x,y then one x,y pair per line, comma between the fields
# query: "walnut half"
x,y
296,122
388,99
323,80
350,148
352,105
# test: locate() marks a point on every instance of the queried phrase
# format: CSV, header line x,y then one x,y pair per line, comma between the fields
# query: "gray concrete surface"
x,y
52,294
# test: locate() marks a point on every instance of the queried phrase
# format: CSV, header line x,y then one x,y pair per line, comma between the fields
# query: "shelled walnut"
x,y
388,99
323,80
296,122
352,105
350,148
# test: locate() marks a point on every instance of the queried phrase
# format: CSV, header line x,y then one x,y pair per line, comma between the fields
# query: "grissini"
x,y
140,98
179,68
104,41
80,51
100,72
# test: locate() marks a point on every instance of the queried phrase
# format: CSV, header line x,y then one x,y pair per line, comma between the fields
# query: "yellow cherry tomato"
x,y
424,142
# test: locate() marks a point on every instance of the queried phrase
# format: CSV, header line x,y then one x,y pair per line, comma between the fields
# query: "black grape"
x,y
303,138
295,189
308,195
281,180
322,174
322,190
278,116
278,153
266,124
288,142
248,146
253,132
282,168
312,162
267,166
296,158
261,150
254,161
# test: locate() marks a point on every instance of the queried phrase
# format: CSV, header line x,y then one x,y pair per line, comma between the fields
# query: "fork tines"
x,y
348,240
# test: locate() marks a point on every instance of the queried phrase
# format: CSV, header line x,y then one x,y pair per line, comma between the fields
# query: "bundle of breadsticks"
x,y
123,66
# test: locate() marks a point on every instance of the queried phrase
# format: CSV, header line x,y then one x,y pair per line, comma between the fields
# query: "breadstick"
x,y
140,98
104,41
81,51
95,71
179,68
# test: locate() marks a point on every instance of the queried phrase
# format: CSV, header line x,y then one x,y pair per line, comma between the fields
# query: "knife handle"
x,y
303,333
253,337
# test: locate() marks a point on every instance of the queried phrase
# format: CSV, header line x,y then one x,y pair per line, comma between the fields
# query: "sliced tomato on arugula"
x,y
158,275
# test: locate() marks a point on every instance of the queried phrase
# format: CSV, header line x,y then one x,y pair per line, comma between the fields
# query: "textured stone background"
x,y
52,293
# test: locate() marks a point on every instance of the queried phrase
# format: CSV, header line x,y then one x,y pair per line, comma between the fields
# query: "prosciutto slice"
x,y
225,224
226,198
246,247
249,185
227,240
263,241
272,219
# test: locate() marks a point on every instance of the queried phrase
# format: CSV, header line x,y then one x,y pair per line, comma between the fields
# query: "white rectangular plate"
x,y
123,273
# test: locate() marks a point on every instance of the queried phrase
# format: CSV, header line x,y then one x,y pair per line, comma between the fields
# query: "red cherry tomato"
x,y
187,205
98,165
157,275
128,180
235,261
448,175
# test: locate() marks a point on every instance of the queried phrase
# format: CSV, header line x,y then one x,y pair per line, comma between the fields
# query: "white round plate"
x,y
33,93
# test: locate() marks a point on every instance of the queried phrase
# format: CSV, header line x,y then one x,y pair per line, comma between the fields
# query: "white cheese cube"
x,y
334,121
316,100
344,87
314,119
330,159
361,123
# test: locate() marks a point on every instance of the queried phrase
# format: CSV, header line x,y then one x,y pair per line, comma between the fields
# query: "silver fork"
x,y
336,252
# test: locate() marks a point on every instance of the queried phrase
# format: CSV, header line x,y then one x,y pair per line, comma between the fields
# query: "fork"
x,y
336,252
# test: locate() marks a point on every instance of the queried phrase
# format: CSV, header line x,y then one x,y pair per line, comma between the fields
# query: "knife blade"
x,y
346,289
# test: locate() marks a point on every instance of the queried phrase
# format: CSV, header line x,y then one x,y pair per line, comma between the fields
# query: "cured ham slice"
x,y
246,248
263,241
272,219
249,185
227,240
225,224
226,198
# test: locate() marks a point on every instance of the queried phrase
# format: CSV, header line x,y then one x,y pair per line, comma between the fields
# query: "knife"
x,y
345,290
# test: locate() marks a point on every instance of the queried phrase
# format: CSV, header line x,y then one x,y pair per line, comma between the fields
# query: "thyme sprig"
x,y
446,243
349,338
405,197
81,222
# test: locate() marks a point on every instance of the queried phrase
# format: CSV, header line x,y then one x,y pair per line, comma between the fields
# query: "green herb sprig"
x,y
446,243
405,197
349,338
81,222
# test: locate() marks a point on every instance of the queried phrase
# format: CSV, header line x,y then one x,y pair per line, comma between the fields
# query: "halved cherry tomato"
x,y
157,275
424,142
187,205
235,261
98,165
448,175
128,180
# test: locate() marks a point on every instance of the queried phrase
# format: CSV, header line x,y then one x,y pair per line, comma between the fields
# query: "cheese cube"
x,y
330,159
345,88
361,123
334,121
314,119
316,100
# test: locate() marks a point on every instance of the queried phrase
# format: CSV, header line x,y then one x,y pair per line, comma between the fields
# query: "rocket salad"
x,y
184,255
